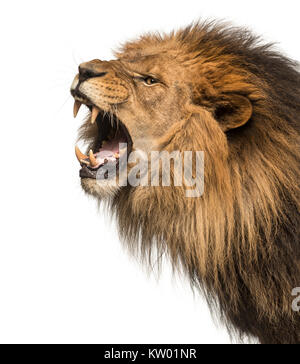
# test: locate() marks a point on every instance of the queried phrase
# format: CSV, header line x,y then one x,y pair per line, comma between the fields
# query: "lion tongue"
x,y
108,152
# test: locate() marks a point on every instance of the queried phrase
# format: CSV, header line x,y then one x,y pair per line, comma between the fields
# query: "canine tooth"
x,y
76,107
93,160
80,156
95,113
85,162
116,155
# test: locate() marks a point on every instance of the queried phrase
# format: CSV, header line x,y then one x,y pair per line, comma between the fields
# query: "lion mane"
x,y
239,242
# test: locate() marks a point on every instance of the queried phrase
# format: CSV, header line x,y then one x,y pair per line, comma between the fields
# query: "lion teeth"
x,y
116,155
80,156
76,107
95,112
93,160
83,161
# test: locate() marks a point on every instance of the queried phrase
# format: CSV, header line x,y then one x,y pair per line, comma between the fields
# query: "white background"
x,y
64,277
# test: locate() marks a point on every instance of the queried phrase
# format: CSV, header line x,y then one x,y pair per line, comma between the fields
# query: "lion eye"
x,y
150,80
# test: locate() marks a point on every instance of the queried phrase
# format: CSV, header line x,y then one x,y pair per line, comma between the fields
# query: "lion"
x,y
218,89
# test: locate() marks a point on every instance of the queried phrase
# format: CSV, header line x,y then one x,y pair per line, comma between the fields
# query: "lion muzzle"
x,y
98,82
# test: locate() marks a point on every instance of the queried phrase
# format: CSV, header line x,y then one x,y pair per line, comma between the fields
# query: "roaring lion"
x,y
217,89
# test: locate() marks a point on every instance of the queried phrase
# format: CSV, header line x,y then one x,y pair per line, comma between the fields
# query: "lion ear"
x,y
233,112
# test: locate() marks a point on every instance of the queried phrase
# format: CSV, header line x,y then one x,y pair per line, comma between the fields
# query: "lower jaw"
x,y
103,188
86,172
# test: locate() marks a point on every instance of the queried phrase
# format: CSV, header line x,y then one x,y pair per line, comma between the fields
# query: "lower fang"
x,y
80,156
85,162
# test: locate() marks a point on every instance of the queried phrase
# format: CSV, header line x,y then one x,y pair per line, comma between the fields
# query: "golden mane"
x,y
239,242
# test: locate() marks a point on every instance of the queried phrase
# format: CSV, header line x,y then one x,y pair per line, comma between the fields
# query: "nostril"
x,y
85,74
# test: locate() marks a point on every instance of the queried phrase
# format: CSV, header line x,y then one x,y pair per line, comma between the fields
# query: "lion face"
x,y
132,101
139,97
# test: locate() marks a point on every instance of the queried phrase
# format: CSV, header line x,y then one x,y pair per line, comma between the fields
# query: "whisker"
x,y
115,113
63,104
111,117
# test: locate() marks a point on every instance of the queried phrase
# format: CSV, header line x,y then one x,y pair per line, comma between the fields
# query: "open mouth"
x,y
106,151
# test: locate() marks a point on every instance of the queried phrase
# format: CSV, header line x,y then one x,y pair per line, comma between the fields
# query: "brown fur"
x,y
238,101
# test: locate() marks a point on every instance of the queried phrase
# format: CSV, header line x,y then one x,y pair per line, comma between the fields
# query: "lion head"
x,y
214,89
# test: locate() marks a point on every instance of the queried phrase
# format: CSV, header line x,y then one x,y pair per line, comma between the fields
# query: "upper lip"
x,y
81,97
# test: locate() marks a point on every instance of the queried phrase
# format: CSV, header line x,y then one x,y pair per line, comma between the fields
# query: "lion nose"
x,y
95,68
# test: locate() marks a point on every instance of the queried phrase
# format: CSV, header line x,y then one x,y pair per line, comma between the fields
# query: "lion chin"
x,y
103,190
216,90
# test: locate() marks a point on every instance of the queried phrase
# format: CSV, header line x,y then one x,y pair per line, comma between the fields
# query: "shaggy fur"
x,y
239,242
